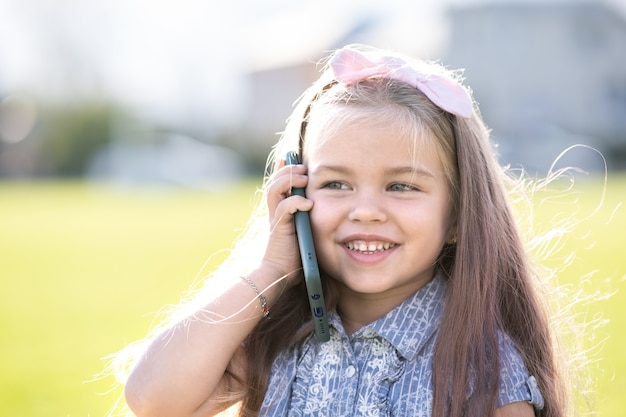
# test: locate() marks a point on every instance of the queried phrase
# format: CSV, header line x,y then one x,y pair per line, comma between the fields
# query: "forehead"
x,y
368,143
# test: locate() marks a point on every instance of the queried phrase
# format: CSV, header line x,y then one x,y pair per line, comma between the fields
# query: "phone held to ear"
x,y
309,264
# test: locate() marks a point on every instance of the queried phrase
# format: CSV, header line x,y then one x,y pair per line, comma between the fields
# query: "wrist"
x,y
265,281
262,299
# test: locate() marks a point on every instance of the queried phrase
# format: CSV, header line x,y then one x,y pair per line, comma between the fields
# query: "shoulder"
x,y
511,360
516,386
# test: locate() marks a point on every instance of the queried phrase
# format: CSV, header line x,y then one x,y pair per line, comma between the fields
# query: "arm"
x,y
516,409
183,370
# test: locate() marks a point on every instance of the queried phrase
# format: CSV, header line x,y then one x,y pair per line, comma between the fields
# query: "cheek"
x,y
325,217
435,220
318,214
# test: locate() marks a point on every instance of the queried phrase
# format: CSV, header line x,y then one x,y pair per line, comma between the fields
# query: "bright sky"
x,y
174,58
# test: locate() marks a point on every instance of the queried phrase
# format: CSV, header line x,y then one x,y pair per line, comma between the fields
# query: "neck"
x,y
358,310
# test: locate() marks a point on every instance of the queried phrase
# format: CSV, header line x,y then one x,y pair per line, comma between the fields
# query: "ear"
x,y
451,236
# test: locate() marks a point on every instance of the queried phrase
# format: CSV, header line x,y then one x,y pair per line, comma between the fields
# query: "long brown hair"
x,y
491,286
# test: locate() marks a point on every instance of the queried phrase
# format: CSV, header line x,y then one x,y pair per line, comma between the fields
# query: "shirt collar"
x,y
409,326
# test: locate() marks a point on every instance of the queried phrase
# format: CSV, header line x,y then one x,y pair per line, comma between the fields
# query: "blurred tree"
x,y
70,135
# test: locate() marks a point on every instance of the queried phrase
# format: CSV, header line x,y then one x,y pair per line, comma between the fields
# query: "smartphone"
x,y
310,267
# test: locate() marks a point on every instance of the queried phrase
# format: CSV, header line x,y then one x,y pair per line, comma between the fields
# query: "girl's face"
x,y
382,209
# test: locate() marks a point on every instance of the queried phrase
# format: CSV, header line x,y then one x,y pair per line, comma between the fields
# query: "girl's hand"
x,y
282,252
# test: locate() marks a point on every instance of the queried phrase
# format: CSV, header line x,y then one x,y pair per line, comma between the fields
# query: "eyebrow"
x,y
419,171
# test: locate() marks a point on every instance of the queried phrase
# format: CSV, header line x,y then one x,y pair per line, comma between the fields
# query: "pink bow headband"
x,y
350,66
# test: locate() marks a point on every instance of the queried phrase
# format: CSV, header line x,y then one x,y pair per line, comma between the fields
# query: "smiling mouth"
x,y
362,246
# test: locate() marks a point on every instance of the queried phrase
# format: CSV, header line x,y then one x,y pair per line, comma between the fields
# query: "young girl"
x,y
433,308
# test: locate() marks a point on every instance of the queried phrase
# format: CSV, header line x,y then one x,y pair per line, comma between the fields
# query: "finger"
x,y
279,164
287,170
280,187
287,208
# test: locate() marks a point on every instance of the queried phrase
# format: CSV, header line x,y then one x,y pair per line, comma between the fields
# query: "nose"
x,y
368,207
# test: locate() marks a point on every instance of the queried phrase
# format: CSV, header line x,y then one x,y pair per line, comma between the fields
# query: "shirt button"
x,y
369,333
350,371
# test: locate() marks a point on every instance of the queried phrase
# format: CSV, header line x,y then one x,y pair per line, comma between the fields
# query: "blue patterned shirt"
x,y
383,369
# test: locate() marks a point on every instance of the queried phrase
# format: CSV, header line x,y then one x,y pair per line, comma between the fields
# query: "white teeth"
x,y
369,247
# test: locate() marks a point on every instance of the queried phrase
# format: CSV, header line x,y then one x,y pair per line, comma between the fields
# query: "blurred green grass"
x,y
85,267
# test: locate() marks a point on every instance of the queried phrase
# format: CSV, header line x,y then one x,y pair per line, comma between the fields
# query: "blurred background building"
x,y
547,76
197,91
